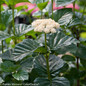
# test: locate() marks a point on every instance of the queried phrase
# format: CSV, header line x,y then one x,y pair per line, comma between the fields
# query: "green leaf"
x,y
82,3
64,16
6,17
41,6
74,22
55,63
41,50
68,58
21,29
8,66
60,3
60,43
27,64
1,1
83,62
1,60
32,34
57,81
7,55
4,35
14,2
78,20
24,48
81,52
37,14
1,80
21,75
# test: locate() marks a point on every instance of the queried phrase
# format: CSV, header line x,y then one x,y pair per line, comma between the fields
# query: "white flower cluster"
x,y
45,25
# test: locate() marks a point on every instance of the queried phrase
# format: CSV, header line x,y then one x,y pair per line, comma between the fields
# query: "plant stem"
x,y
45,41
77,37
78,70
0,29
74,8
0,14
83,12
13,20
15,41
47,59
29,18
48,71
77,58
41,14
2,47
52,8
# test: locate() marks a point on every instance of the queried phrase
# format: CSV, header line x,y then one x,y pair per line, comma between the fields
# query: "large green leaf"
x,y
24,48
77,20
6,17
55,63
60,43
57,81
74,22
63,2
68,58
63,16
83,62
27,64
4,35
21,29
7,55
81,52
8,66
1,80
21,75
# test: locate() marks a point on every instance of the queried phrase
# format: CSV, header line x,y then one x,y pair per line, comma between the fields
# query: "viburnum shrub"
x,y
43,42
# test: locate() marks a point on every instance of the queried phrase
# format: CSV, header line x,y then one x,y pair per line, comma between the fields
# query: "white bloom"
x,y
45,25
39,28
49,26
57,25
47,30
36,29
53,30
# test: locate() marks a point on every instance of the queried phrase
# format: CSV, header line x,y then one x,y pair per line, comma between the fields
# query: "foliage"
x,y
53,59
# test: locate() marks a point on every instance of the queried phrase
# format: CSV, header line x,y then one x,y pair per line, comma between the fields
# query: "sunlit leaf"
x,y
60,43
21,29
64,16
21,75
24,48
